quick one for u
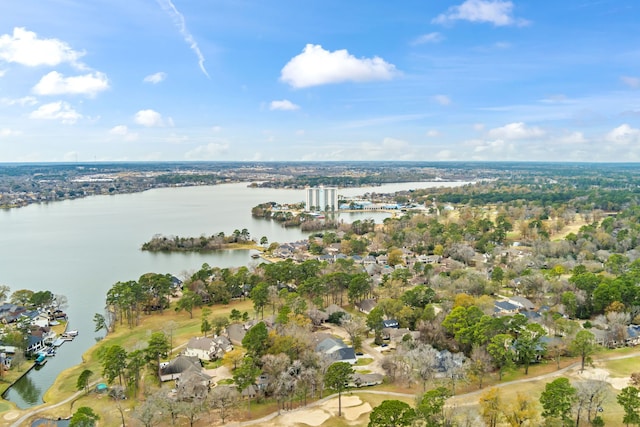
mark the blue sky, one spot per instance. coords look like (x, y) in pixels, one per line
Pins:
(431, 80)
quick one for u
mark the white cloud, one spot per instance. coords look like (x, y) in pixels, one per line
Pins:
(57, 111)
(300, 132)
(2, 73)
(632, 82)
(496, 12)
(124, 132)
(211, 151)
(148, 118)
(317, 66)
(432, 133)
(572, 138)
(216, 129)
(6, 132)
(179, 21)
(434, 37)
(25, 48)
(155, 78)
(24, 101)
(478, 127)
(284, 105)
(442, 99)
(624, 134)
(55, 83)
(517, 130)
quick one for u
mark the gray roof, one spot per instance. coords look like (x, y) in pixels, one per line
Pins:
(505, 305)
(200, 343)
(346, 353)
(181, 364)
(328, 343)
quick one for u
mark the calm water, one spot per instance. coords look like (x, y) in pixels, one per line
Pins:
(80, 248)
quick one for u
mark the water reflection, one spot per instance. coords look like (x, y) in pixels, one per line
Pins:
(28, 391)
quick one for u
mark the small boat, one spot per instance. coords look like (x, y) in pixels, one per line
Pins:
(41, 359)
(255, 256)
(72, 333)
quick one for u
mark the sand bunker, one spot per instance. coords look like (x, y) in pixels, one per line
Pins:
(352, 409)
(311, 417)
(603, 375)
(347, 401)
(11, 415)
(353, 413)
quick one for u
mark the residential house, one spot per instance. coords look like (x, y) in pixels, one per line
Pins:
(203, 348)
(521, 302)
(633, 335)
(193, 384)
(9, 313)
(174, 369)
(502, 308)
(223, 343)
(390, 323)
(366, 305)
(236, 332)
(35, 343)
(337, 350)
(365, 380)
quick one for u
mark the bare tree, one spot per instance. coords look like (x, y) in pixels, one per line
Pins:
(591, 394)
(148, 413)
(423, 362)
(455, 369)
(193, 410)
(224, 399)
(354, 326)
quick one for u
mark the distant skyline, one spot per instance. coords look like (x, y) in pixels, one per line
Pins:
(285, 80)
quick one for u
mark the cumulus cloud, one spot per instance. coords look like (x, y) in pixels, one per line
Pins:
(442, 99)
(55, 83)
(180, 22)
(284, 105)
(517, 130)
(434, 37)
(572, 138)
(632, 82)
(211, 151)
(624, 134)
(155, 78)
(25, 48)
(149, 118)
(123, 132)
(316, 66)
(57, 111)
(24, 101)
(496, 12)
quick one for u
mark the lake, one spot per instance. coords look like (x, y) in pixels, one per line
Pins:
(80, 248)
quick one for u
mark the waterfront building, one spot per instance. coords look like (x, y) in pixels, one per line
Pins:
(321, 199)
